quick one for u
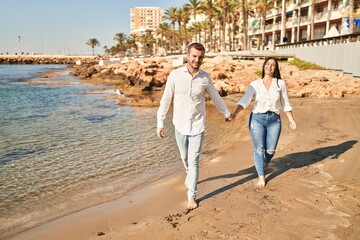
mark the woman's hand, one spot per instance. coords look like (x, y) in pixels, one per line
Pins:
(290, 116)
(292, 125)
(238, 109)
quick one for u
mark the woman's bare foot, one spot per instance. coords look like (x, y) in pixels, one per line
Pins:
(261, 182)
(192, 204)
(185, 184)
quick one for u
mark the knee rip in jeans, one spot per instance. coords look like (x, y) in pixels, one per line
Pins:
(260, 150)
(270, 152)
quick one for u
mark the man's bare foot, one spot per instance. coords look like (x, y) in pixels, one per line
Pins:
(261, 182)
(192, 204)
(266, 165)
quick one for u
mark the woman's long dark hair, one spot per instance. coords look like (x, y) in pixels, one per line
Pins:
(276, 74)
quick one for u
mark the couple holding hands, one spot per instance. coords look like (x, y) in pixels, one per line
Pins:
(186, 87)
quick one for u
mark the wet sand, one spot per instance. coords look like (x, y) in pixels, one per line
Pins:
(312, 190)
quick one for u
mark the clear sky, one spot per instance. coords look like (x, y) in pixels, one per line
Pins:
(64, 26)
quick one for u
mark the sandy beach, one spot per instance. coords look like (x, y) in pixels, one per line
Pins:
(312, 189)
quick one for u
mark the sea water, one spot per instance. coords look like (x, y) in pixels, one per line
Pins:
(63, 149)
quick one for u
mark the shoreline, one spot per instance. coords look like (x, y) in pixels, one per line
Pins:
(319, 191)
(132, 196)
(47, 59)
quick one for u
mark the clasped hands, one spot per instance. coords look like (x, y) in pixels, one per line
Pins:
(229, 119)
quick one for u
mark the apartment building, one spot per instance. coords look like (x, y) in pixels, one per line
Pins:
(329, 14)
(145, 19)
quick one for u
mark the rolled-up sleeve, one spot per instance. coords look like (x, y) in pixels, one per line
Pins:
(284, 98)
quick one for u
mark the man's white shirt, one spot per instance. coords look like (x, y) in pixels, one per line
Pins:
(188, 92)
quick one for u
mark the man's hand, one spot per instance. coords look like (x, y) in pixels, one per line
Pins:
(160, 132)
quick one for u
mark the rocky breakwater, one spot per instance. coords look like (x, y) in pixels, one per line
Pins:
(234, 76)
(46, 59)
(138, 82)
(141, 82)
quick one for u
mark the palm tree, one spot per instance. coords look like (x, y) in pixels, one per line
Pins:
(194, 7)
(165, 33)
(106, 50)
(120, 38)
(147, 41)
(208, 8)
(131, 43)
(234, 15)
(263, 6)
(92, 42)
(170, 14)
(219, 19)
(179, 19)
(225, 7)
(186, 18)
(243, 24)
(121, 42)
(195, 28)
(204, 25)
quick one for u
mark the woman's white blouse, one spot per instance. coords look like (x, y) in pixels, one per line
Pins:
(267, 100)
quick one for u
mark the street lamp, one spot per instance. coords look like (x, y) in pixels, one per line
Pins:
(19, 41)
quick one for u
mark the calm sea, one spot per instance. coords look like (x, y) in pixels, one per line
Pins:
(63, 149)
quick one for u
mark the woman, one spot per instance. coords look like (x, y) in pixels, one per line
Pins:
(270, 95)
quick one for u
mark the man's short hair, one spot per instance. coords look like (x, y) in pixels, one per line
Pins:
(197, 46)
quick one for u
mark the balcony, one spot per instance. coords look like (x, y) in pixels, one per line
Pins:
(304, 2)
(320, 1)
(304, 20)
(272, 13)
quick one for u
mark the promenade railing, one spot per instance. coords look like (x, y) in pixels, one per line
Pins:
(340, 53)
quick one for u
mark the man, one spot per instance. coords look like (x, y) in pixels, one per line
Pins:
(188, 85)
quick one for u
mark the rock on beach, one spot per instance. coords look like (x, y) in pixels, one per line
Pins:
(142, 81)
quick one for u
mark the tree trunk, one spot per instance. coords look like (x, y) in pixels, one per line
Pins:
(211, 40)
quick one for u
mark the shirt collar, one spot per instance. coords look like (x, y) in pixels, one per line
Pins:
(184, 69)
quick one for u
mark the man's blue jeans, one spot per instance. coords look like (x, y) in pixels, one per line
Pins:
(190, 147)
(265, 129)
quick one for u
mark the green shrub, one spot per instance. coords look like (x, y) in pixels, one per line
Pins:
(305, 65)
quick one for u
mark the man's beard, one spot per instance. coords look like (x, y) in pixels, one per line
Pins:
(195, 66)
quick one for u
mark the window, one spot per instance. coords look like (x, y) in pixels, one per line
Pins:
(319, 32)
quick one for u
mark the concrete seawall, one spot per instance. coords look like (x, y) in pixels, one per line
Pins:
(343, 57)
(46, 59)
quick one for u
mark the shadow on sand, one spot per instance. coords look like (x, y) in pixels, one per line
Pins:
(281, 165)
